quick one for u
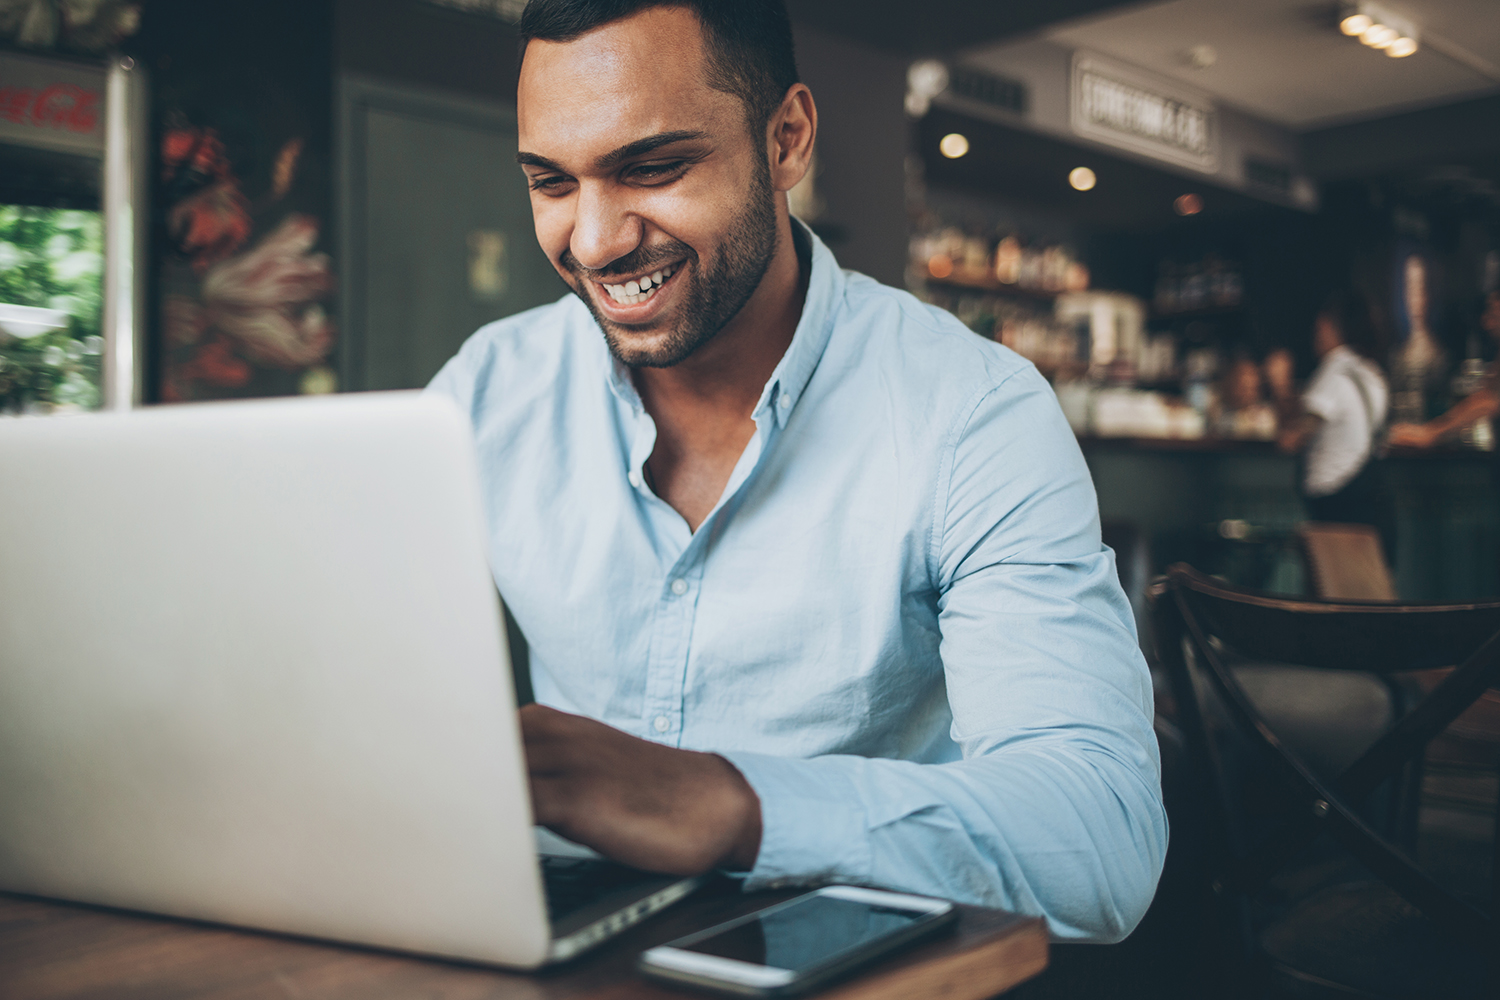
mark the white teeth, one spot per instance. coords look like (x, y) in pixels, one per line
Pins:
(640, 289)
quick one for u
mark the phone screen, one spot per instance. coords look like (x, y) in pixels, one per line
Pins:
(816, 930)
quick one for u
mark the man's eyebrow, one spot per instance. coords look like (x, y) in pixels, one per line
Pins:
(615, 157)
(533, 160)
(643, 146)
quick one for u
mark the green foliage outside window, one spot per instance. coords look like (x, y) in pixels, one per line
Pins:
(53, 259)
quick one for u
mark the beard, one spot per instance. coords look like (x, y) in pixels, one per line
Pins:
(708, 301)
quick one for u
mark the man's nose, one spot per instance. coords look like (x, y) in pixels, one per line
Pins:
(605, 229)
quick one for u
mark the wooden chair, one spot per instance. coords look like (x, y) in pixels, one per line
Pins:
(1393, 931)
(1346, 561)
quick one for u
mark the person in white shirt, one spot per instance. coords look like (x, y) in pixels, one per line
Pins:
(1336, 421)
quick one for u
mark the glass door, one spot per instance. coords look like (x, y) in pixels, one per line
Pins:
(69, 237)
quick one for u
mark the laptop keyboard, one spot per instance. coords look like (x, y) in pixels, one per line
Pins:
(573, 883)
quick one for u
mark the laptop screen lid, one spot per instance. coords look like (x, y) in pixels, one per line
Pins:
(252, 670)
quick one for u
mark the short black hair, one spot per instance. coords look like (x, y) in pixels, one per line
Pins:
(748, 42)
(1350, 311)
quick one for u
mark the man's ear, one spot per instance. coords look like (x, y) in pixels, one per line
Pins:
(790, 136)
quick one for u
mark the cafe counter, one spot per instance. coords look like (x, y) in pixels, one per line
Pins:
(1231, 507)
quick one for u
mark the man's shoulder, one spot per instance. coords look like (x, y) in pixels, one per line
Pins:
(895, 335)
(535, 336)
(528, 347)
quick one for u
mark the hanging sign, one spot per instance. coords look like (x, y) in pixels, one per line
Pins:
(1128, 108)
(51, 104)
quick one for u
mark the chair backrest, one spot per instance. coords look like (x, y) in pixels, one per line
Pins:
(1346, 562)
(1196, 614)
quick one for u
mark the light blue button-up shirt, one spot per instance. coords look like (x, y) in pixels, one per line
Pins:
(898, 622)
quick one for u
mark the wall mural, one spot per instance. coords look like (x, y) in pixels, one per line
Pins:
(243, 289)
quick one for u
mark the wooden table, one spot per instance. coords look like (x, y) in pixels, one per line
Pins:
(50, 951)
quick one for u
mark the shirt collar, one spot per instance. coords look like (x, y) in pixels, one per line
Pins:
(825, 288)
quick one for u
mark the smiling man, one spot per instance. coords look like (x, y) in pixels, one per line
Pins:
(811, 575)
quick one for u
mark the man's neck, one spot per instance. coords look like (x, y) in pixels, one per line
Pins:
(703, 405)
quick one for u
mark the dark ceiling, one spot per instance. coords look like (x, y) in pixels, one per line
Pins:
(934, 27)
(1024, 166)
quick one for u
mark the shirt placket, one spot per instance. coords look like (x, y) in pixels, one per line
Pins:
(677, 600)
(671, 644)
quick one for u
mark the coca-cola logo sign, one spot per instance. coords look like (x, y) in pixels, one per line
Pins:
(51, 104)
(63, 106)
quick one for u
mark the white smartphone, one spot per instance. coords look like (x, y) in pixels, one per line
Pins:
(799, 944)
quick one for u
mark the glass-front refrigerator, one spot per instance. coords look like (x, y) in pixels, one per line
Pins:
(71, 208)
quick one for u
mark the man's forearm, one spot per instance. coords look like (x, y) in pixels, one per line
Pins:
(1475, 406)
(1073, 834)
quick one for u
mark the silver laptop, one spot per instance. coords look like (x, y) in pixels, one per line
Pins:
(253, 671)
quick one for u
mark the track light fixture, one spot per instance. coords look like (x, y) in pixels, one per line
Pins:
(1379, 27)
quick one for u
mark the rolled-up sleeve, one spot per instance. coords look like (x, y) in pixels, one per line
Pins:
(1055, 808)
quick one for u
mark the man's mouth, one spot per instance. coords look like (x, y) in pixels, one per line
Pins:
(639, 290)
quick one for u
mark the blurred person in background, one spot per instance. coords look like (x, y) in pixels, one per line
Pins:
(1336, 423)
(1243, 412)
(1481, 404)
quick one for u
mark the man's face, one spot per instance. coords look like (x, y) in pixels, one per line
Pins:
(649, 194)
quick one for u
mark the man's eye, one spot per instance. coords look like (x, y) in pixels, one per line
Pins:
(550, 183)
(657, 173)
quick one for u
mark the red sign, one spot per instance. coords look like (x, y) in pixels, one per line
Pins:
(63, 106)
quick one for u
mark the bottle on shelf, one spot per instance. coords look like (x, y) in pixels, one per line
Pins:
(1008, 260)
(1165, 298)
(1470, 378)
(1211, 282)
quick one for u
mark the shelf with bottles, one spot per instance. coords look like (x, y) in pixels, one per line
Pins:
(983, 281)
(1205, 288)
(1001, 263)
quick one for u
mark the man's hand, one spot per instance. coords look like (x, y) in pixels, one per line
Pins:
(637, 802)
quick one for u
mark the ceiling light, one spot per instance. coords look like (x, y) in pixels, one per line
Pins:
(928, 77)
(1200, 56)
(1379, 27)
(1082, 179)
(924, 80)
(1187, 204)
(953, 145)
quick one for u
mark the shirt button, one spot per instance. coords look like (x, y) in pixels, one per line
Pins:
(679, 586)
(662, 723)
(784, 402)
(635, 479)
